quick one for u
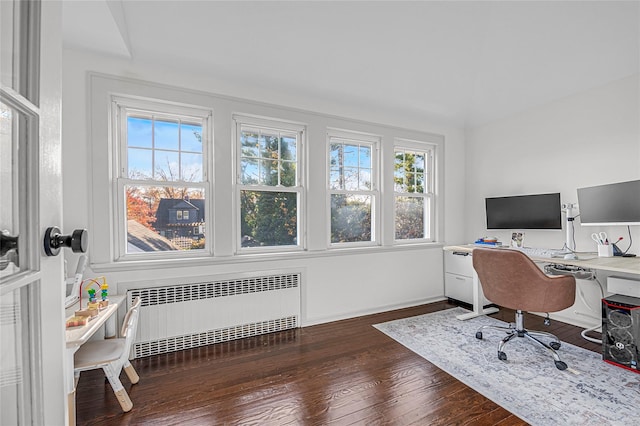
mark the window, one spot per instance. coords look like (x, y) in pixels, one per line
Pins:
(413, 188)
(162, 178)
(269, 184)
(153, 197)
(352, 187)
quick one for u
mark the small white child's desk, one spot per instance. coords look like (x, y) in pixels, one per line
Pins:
(76, 336)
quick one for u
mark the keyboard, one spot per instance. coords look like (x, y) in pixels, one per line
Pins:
(539, 252)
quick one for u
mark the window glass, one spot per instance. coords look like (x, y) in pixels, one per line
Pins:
(410, 217)
(166, 135)
(157, 220)
(269, 185)
(412, 195)
(164, 184)
(139, 131)
(350, 218)
(166, 165)
(268, 218)
(164, 149)
(351, 189)
(191, 137)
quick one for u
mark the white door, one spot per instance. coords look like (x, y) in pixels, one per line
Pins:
(31, 284)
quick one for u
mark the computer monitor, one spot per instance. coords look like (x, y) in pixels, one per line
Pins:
(610, 205)
(538, 211)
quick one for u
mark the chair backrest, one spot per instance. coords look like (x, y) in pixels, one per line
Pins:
(510, 279)
(130, 326)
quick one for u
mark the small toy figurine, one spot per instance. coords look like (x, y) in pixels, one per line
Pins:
(92, 295)
(103, 291)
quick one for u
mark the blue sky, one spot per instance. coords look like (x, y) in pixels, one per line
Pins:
(168, 148)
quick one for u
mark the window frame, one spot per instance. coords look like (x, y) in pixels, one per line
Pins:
(430, 187)
(240, 122)
(375, 143)
(121, 106)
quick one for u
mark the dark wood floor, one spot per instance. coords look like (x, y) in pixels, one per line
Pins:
(342, 373)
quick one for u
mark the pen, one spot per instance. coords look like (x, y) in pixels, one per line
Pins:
(606, 242)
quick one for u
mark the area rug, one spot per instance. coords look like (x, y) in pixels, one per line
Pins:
(589, 392)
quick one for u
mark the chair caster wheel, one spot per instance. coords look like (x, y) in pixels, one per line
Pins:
(555, 345)
(479, 335)
(561, 365)
(503, 357)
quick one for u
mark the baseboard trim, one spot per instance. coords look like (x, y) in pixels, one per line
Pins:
(348, 315)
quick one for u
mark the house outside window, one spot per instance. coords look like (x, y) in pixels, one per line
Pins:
(269, 184)
(162, 180)
(413, 191)
(353, 188)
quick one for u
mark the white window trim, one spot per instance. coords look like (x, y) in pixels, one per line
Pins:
(264, 123)
(99, 193)
(430, 195)
(120, 105)
(375, 142)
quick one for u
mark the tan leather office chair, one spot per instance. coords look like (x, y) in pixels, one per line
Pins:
(510, 279)
(112, 355)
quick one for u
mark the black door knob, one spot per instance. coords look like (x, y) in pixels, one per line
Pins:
(54, 240)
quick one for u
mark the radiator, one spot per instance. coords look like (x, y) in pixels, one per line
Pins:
(189, 315)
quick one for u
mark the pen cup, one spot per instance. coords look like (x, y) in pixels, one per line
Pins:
(605, 250)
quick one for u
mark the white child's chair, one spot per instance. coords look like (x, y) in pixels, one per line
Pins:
(112, 355)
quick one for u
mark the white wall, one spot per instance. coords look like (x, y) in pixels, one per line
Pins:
(335, 285)
(591, 138)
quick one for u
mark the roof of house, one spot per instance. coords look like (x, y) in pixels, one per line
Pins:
(143, 239)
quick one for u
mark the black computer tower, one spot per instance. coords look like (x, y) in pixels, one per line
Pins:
(621, 331)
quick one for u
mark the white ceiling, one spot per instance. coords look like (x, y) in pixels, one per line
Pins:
(463, 62)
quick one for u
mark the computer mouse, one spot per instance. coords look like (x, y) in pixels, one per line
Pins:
(570, 256)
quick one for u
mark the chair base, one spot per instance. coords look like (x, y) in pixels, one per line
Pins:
(518, 330)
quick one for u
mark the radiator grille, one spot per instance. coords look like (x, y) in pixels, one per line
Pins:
(11, 327)
(190, 315)
(208, 290)
(9, 314)
(211, 337)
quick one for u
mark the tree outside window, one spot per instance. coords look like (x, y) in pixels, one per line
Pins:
(269, 185)
(412, 183)
(351, 189)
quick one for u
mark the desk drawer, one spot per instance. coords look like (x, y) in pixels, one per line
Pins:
(460, 288)
(460, 264)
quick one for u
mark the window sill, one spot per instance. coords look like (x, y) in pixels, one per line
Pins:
(132, 265)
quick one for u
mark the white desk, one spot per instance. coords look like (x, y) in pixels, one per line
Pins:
(628, 265)
(76, 336)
